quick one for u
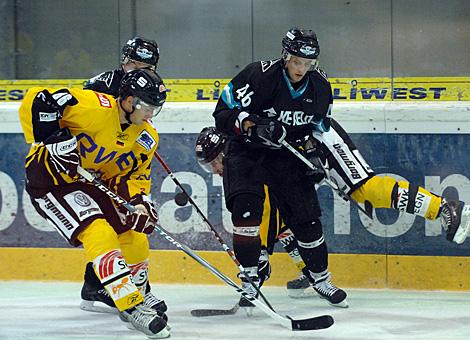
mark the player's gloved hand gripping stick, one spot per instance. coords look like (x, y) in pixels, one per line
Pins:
(319, 322)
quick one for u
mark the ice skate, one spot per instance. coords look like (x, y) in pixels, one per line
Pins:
(147, 321)
(248, 288)
(455, 219)
(96, 299)
(327, 290)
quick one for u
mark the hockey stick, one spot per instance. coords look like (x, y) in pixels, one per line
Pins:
(212, 312)
(319, 322)
(327, 181)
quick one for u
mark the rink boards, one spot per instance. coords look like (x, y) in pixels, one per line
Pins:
(425, 143)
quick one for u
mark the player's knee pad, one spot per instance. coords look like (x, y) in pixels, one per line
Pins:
(134, 246)
(309, 235)
(247, 213)
(115, 275)
(98, 238)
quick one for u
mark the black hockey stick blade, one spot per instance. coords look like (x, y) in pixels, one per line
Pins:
(318, 322)
(215, 312)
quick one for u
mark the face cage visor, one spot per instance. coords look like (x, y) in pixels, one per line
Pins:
(143, 106)
(139, 65)
(313, 62)
(212, 166)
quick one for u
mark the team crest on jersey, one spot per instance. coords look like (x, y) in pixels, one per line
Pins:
(104, 101)
(146, 140)
(265, 65)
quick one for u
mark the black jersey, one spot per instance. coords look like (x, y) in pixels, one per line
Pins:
(106, 82)
(263, 88)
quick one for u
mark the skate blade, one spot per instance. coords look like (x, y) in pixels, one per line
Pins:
(464, 228)
(97, 307)
(342, 304)
(163, 334)
(248, 311)
(300, 293)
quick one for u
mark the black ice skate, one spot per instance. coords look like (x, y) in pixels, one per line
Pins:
(96, 299)
(323, 286)
(300, 287)
(147, 321)
(455, 219)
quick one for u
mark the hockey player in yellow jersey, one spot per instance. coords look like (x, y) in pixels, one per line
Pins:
(137, 53)
(115, 140)
(378, 191)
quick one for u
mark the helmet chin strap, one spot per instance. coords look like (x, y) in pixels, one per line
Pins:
(127, 115)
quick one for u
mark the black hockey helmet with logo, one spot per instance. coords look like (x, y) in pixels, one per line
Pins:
(144, 84)
(210, 143)
(301, 43)
(146, 87)
(142, 50)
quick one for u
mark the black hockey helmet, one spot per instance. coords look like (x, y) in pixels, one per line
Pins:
(146, 86)
(210, 143)
(301, 43)
(142, 50)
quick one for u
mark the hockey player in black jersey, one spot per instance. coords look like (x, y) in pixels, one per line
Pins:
(266, 103)
(137, 53)
(255, 112)
(381, 191)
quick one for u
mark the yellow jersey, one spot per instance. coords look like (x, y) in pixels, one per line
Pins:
(120, 158)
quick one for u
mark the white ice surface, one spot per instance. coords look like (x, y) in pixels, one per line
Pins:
(49, 310)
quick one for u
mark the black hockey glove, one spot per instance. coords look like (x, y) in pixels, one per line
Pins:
(316, 156)
(63, 152)
(264, 267)
(47, 109)
(143, 220)
(266, 132)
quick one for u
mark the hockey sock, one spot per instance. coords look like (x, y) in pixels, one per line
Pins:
(247, 249)
(386, 192)
(312, 246)
(289, 243)
(114, 274)
(247, 212)
(139, 274)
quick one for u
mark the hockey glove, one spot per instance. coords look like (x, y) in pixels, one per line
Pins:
(266, 132)
(47, 109)
(63, 152)
(264, 267)
(316, 156)
(143, 220)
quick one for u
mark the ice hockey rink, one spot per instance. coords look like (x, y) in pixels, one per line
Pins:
(49, 310)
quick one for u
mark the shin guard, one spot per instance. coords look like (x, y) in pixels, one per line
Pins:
(114, 274)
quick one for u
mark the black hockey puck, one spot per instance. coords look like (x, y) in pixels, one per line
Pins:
(181, 199)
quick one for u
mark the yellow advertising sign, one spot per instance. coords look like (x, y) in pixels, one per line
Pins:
(349, 89)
